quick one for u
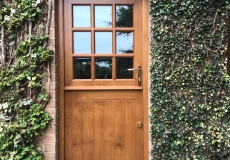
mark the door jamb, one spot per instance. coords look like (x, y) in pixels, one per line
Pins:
(60, 50)
(145, 21)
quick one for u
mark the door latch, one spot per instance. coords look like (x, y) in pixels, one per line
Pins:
(139, 73)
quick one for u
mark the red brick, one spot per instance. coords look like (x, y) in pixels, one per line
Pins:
(51, 48)
(53, 94)
(49, 138)
(51, 130)
(49, 147)
(49, 155)
(55, 59)
(53, 122)
(52, 24)
(51, 41)
(53, 86)
(53, 77)
(51, 111)
(53, 68)
(52, 32)
(53, 15)
(51, 103)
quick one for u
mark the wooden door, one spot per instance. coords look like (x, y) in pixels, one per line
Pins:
(103, 67)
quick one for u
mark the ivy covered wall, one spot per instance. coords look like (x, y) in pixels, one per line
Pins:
(190, 90)
(24, 74)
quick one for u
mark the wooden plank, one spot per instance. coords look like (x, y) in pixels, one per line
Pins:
(145, 71)
(87, 130)
(102, 2)
(139, 132)
(68, 131)
(76, 128)
(98, 129)
(68, 46)
(60, 51)
(130, 130)
(108, 130)
(90, 88)
(119, 130)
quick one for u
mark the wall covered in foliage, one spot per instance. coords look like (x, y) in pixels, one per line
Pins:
(190, 100)
(23, 59)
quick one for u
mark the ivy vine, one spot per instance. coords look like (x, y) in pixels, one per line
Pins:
(24, 60)
(190, 100)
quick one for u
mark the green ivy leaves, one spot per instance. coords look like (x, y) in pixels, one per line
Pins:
(23, 97)
(189, 86)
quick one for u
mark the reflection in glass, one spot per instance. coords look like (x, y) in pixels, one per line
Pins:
(81, 16)
(103, 68)
(103, 42)
(82, 42)
(124, 42)
(124, 16)
(82, 68)
(122, 65)
(103, 16)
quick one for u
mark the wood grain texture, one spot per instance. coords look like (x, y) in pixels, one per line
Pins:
(108, 130)
(102, 127)
(98, 120)
(87, 130)
(76, 135)
(60, 53)
(119, 128)
(145, 73)
(130, 131)
(98, 129)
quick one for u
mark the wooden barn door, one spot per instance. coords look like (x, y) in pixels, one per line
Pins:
(103, 78)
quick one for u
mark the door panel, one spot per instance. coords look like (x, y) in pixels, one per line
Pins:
(103, 125)
(103, 101)
(100, 56)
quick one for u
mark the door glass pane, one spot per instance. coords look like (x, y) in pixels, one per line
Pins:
(103, 42)
(103, 68)
(124, 16)
(82, 68)
(81, 16)
(82, 42)
(103, 16)
(124, 42)
(122, 65)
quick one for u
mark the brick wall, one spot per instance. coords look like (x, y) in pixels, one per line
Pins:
(48, 142)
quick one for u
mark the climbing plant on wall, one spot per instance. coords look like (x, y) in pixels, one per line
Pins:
(24, 60)
(190, 90)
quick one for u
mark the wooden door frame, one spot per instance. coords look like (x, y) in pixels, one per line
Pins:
(60, 54)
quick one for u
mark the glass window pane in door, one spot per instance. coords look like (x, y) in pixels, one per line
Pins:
(124, 16)
(103, 42)
(103, 67)
(122, 65)
(124, 42)
(81, 16)
(103, 16)
(82, 68)
(82, 42)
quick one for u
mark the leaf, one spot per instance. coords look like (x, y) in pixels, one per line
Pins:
(11, 43)
(213, 141)
(41, 26)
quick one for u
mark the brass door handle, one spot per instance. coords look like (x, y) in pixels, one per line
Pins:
(139, 124)
(139, 73)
